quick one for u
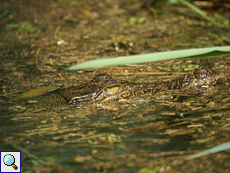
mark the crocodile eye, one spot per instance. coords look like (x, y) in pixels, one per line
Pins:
(114, 89)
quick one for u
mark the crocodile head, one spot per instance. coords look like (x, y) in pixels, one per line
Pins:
(110, 91)
(103, 87)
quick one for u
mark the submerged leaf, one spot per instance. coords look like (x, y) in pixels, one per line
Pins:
(160, 68)
(35, 92)
(189, 69)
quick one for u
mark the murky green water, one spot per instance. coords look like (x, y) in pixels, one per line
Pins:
(142, 134)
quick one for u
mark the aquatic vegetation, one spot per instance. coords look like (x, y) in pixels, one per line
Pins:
(23, 27)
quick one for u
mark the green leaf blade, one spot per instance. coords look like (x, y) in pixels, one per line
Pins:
(160, 56)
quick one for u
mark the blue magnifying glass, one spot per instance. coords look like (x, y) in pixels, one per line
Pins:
(9, 160)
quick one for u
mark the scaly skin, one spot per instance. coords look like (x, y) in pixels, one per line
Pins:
(105, 88)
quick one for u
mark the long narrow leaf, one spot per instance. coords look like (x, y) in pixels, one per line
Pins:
(216, 149)
(198, 11)
(149, 57)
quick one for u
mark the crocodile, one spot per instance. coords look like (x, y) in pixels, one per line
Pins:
(103, 87)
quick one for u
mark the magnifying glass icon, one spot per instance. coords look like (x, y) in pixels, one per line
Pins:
(9, 160)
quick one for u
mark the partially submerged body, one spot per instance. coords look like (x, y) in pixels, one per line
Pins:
(103, 88)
